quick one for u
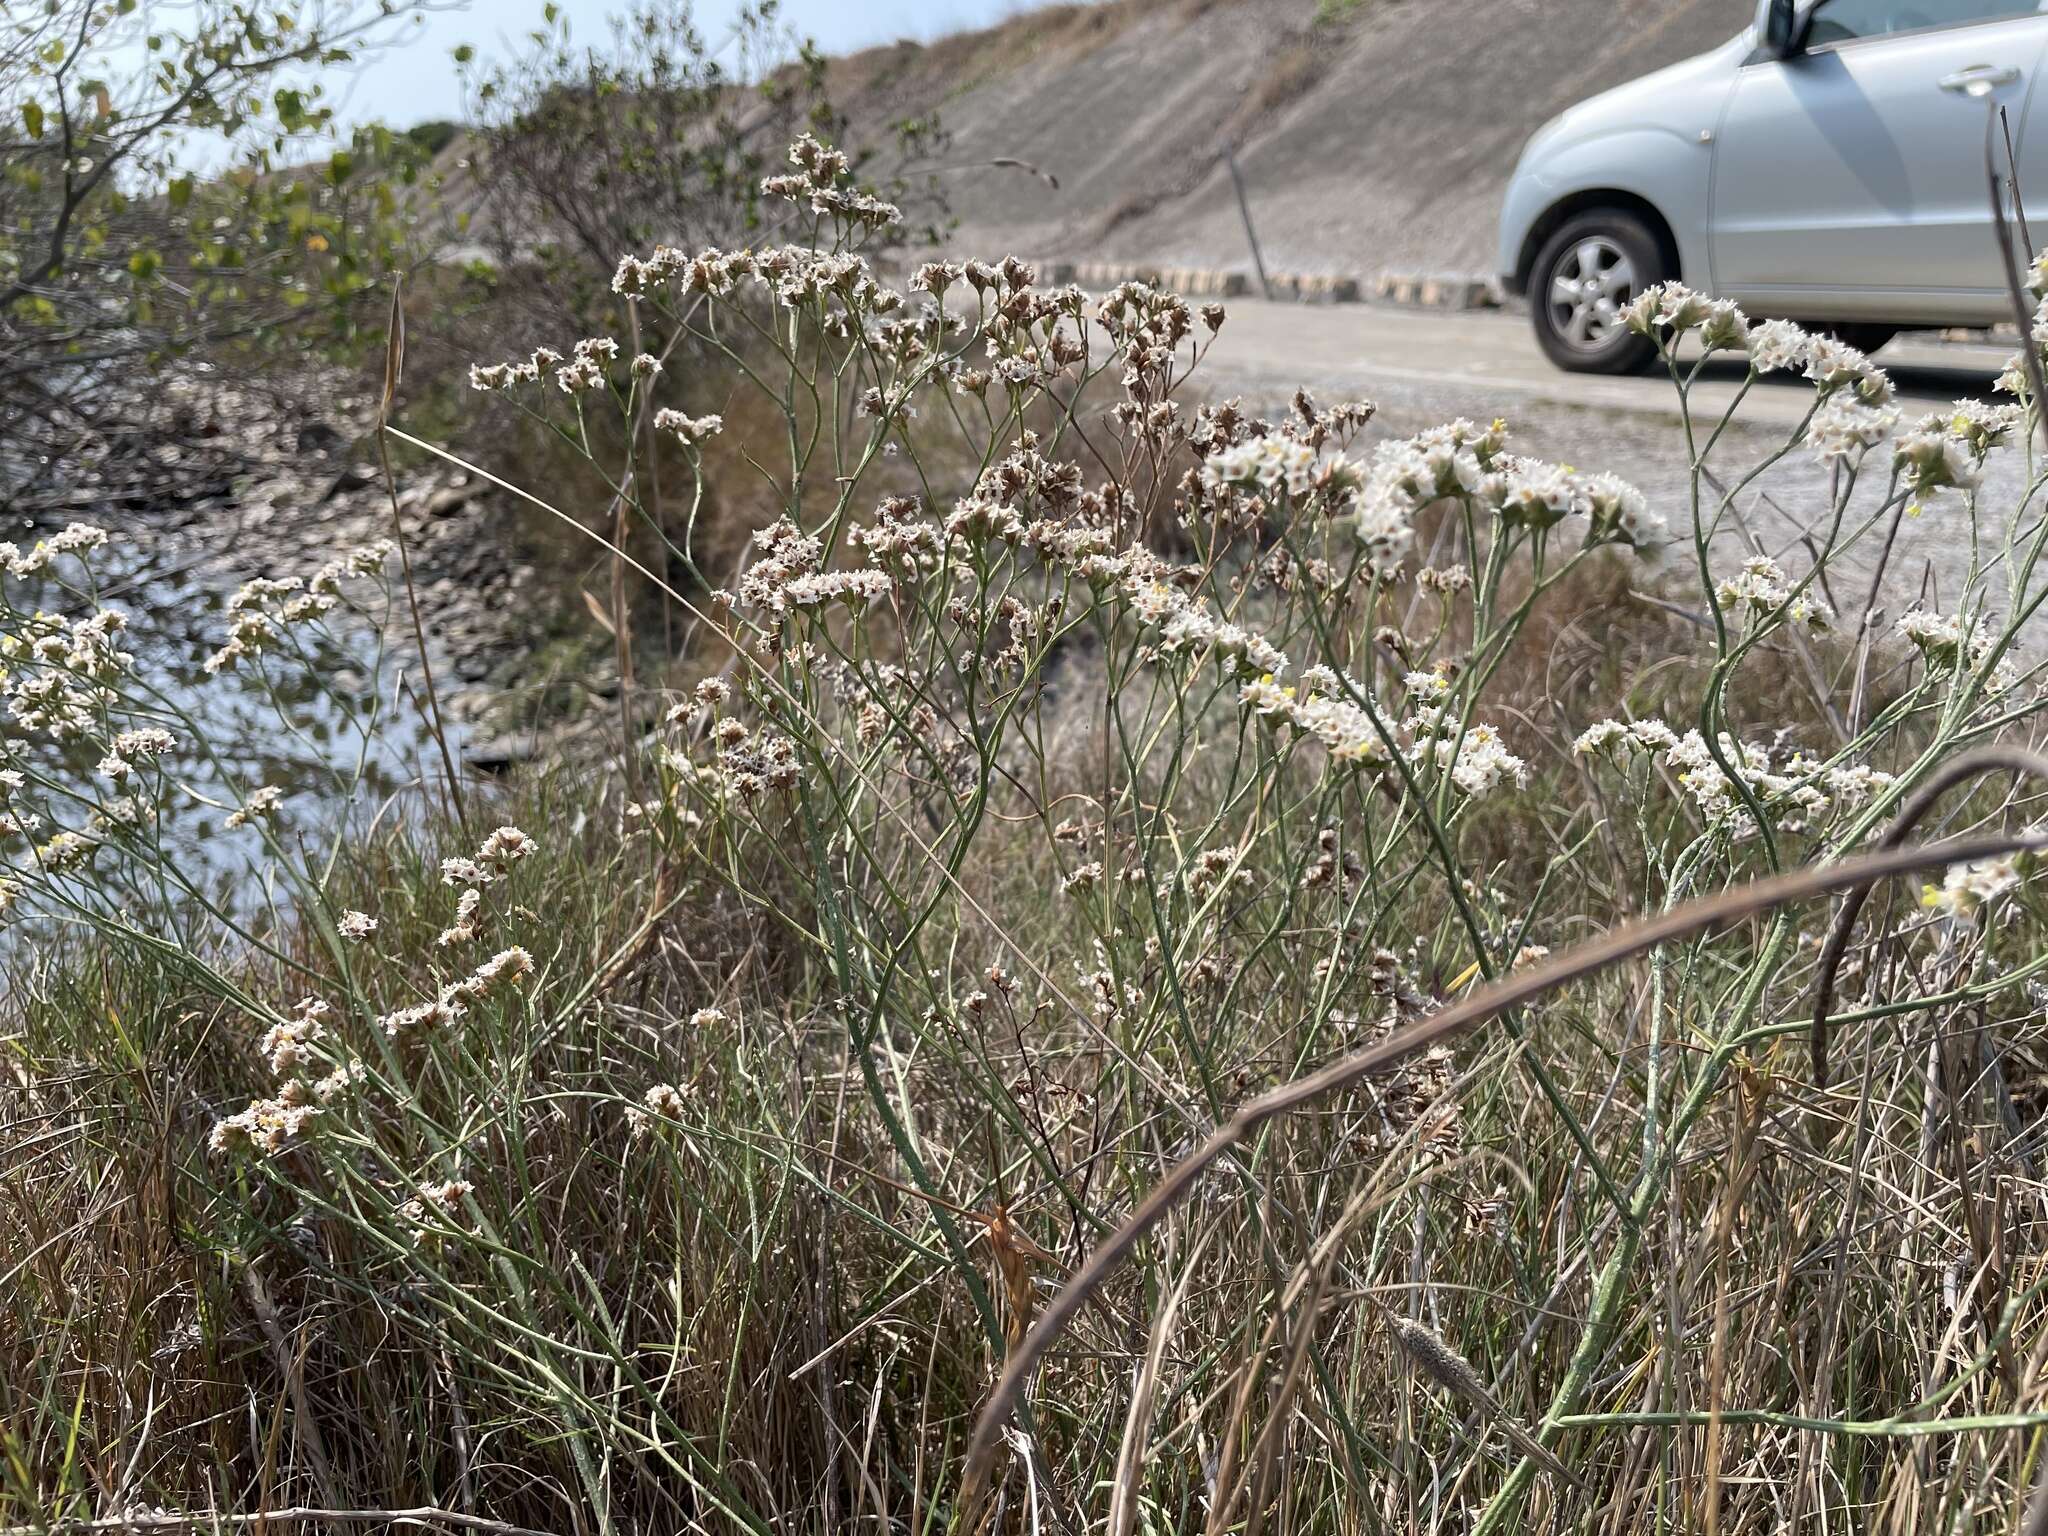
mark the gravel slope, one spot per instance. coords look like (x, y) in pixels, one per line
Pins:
(1378, 140)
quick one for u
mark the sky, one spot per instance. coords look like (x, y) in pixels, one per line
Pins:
(414, 81)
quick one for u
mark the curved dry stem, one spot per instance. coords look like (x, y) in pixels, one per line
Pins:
(1969, 765)
(1511, 991)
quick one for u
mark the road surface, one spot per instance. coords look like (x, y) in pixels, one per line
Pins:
(1491, 360)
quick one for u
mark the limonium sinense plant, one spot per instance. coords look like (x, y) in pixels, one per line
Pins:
(1071, 757)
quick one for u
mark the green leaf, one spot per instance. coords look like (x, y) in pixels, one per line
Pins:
(32, 118)
(181, 191)
(340, 165)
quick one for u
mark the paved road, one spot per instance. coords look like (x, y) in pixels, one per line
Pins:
(1492, 359)
(1423, 367)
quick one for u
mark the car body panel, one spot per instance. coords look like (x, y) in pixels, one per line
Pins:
(1840, 184)
(1848, 183)
(1643, 138)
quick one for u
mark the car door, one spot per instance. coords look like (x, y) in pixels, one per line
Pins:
(1849, 178)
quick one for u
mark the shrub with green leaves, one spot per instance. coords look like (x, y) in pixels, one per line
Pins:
(120, 251)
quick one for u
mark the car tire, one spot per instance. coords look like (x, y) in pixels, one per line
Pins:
(1587, 271)
(1866, 336)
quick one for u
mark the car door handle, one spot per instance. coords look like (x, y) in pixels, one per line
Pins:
(1979, 79)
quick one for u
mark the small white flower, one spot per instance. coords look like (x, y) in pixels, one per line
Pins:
(1599, 737)
(1844, 426)
(1777, 345)
(505, 846)
(692, 430)
(261, 804)
(465, 872)
(1966, 888)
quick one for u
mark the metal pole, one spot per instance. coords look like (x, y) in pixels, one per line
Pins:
(1244, 210)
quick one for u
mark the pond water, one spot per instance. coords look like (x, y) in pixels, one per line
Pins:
(329, 719)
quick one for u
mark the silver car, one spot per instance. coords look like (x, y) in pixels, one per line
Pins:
(1827, 166)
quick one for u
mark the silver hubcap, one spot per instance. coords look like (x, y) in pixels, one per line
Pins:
(1588, 291)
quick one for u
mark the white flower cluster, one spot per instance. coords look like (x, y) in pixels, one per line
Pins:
(491, 377)
(1762, 590)
(450, 1006)
(267, 1125)
(1710, 786)
(1777, 346)
(498, 853)
(690, 431)
(820, 170)
(1463, 462)
(1331, 708)
(1272, 464)
(1643, 736)
(1947, 448)
(663, 1102)
(786, 555)
(1184, 624)
(795, 276)
(78, 539)
(1843, 427)
(1407, 477)
(2013, 380)
(1954, 644)
(1011, 491)
(435, 1204)
(1457, 461)
(587, 369)
(60, 672)
(821, 589)
(1855, 412)
(463, 929)
(900, 538)
(1479, 761)
(1675, 309)
(262, 608)
(1799, 793)
(1835, 366)
(130, 747)
(750, 763)
(288, 1044)
(1325, 706)
(273, 1124)
(260, 805)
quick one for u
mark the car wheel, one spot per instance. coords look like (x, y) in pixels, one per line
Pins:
(1584, 277)
(1865, 336)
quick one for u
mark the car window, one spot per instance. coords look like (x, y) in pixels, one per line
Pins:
(1842, 21)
